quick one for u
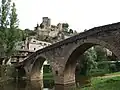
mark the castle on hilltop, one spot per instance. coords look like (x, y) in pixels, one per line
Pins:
(46, 31)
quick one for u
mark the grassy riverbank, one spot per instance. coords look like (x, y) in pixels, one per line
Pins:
(107, 82)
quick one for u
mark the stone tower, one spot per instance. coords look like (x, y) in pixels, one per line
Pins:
(46, 22)
(59, 25)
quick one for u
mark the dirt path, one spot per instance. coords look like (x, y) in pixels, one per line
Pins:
(109, 76)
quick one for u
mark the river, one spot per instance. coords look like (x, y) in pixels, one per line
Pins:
(37, 85)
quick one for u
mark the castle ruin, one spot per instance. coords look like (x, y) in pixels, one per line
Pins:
(47, 32)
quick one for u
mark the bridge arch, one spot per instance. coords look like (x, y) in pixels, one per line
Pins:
(37, 66)
(79, 49)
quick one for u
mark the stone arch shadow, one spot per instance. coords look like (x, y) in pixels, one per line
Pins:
(70, 65)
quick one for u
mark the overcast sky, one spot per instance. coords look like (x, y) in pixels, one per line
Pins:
(79, 14)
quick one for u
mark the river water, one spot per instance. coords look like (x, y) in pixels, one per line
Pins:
(34, 85)
(37, 85)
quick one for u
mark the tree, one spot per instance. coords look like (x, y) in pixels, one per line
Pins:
(29, 32)
(9, 34)
(13, 18)
(90, 59)
(101, 53)
(4, 11)
(65, 26)
(71, 31)
(93, 61)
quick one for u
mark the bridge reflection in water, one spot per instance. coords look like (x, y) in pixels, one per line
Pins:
(34, 85)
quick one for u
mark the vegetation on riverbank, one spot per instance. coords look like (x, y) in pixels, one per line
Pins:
(107, 82)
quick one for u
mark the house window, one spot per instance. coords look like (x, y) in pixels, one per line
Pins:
(22, 47)
(56, 73)
(34, 48)
(34, 41)
(45, 44)
(40, 43)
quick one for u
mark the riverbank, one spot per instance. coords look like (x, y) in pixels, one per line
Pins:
(107, 82)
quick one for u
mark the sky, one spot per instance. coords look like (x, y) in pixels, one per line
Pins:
(79, 14)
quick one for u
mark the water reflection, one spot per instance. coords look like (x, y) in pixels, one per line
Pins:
(83, 81)
(42, 85)
(65, 87)
(34, 85)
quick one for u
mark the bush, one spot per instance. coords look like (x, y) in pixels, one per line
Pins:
(8, 71)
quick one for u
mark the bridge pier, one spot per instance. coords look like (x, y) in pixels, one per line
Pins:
(62, 77)
(35, 75)
(62, 81)
(65, 87)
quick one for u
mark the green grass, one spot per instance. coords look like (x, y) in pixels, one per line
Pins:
(111, 83)
(47, 76)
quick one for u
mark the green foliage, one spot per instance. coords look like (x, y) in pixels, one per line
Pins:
(13, 18)
(47, 69)
(111, 83)
(70, 31)
(11, 71)
(9, 33)
(4, 11)
(101, 53)
(65, 25)
(89, 61)
(48, 76)
(91, 57)
(7, 71)
(22, 34)
(93, 61)
(29, 33)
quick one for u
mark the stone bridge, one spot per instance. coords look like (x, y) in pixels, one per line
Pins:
(63, 55)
